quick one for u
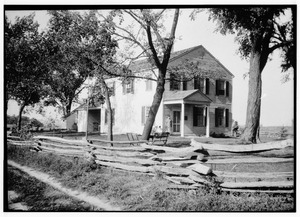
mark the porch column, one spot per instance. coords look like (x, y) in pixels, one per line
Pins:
(207, 121)
(182, 120)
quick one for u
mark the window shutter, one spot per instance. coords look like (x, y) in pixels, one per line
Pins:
(194, 116)
(207, 86)
(143, 115)
(184, 85)
(124, 87)
(113, 88)
(105, 119)
(227, 118)
(216, 117)
(227, 88)
(196, 83)
(132, 86)
(217, 87)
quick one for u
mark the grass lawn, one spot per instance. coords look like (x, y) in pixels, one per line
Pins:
(39, 196)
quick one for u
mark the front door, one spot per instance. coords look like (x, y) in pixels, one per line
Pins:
(176, 121)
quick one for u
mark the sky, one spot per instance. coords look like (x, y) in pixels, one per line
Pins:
(277, 98)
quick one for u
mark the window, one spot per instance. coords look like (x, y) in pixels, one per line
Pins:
(174, 83)
(148, 85)
(220, 87)
(202, 84)
(112, 116)
(199, 117)
(145, 113)
(111, 88)
(219, 117)
(128, 86)
(222, 115)
(199, 84)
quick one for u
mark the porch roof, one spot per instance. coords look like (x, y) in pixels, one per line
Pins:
(186, 96)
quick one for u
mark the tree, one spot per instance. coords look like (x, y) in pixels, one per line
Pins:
(25, 71)
(153, 43)
(259, 32)
(99, 52)
(67, 70)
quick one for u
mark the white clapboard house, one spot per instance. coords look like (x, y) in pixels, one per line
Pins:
(200, 106)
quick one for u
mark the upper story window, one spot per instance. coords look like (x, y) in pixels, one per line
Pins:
(222, 88)
(128, 86)
(111, 88)
(174, 82)
(202, 84)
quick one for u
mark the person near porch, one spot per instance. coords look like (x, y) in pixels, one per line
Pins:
(234, 128)
(168, 124)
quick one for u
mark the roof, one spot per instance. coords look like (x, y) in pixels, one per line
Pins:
(82, 107)
(186, 96)
(144, 64)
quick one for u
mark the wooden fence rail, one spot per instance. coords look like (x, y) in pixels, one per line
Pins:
(187, 168)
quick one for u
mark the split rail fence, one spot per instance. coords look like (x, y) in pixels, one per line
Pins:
(187, 168)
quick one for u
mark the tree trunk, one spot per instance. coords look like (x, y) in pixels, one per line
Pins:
(254, 99)
(68, 107)
(20, 115)
(109, 112)
(155, 105)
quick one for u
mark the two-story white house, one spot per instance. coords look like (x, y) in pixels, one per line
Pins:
(199, 106)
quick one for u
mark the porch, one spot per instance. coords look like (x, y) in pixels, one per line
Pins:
(186, 113)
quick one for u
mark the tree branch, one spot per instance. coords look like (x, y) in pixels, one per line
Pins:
(167, 53)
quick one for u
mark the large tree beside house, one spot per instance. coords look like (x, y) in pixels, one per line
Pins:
(260, 32)
(25, 71)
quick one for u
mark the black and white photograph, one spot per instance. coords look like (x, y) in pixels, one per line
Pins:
(149, 108)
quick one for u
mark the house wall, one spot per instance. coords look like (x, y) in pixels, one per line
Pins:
(81, 126)
(70, 120)
(128, 108)
(217, 101)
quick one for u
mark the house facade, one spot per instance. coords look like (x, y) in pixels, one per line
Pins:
(200, 105)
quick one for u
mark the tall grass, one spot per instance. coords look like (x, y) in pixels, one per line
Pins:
(138, 192)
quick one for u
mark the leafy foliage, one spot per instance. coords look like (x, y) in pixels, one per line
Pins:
(76, 44)
(249, 23)
(25, 120)
(25, 71)
(259, 32)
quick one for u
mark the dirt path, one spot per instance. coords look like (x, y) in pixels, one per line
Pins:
(79, 195)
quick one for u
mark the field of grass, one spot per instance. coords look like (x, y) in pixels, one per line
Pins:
(139, 192)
